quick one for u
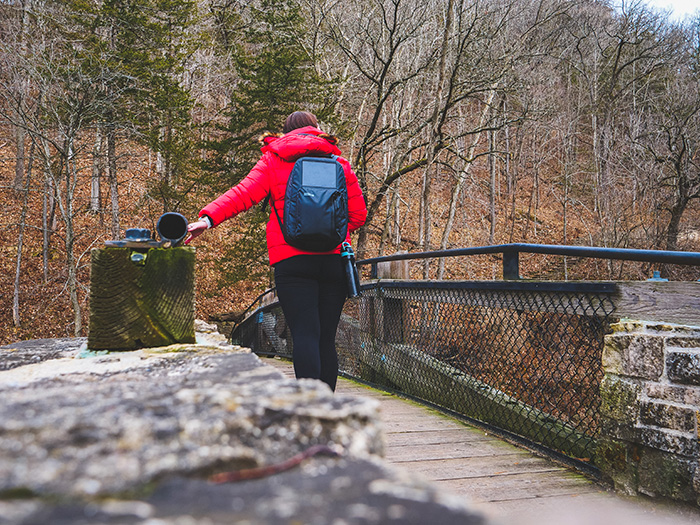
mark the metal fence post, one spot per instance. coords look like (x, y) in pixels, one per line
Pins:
(511, 265)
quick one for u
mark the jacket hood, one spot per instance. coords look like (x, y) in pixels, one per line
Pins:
(299, 143)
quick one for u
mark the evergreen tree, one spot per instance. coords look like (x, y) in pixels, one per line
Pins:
(275, 76)
(139, 50)
(164, 116)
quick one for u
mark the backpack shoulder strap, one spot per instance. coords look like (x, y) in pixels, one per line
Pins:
(274, 208)
(268, 199)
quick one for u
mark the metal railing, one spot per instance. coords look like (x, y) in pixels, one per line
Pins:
(524, 357)
(511, 255)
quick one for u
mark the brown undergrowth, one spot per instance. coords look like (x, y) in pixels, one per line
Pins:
(45, 309)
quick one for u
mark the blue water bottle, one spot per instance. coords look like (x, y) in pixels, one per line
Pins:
(351, 274)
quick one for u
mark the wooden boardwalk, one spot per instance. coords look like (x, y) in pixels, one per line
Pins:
(507, 483)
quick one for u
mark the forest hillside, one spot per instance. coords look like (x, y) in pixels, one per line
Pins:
(468, 123)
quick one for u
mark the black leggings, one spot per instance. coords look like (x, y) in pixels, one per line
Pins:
(312, 291)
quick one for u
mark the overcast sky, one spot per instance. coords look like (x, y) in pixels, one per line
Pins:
(680, 8)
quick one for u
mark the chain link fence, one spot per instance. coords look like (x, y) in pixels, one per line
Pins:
(524, 357)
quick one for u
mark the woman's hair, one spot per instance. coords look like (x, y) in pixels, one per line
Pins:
(299, 119)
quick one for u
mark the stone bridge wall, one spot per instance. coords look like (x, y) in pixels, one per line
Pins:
(650, 410)
(193, 433)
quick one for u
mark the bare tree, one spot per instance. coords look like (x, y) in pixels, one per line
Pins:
(17, 35)
(388, 45)
(67, 102)
(673, 135)
(16, 317)
(617, 58)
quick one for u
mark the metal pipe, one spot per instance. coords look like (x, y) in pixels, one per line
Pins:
(657, 256)
(172, 227)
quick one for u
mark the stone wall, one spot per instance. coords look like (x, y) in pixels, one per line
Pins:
(650, 410)
(192, 433)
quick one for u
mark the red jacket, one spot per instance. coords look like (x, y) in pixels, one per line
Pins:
(269, 176)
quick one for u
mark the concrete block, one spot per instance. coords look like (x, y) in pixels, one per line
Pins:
(618, 461)
(135, 437)
(620, 399)
(667, 416)
(638, 355)
(662, 474)
(684, 342)
(687, 395)
(669, 441)
(683, 367)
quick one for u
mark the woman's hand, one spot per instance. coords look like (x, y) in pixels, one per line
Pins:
(195, 229)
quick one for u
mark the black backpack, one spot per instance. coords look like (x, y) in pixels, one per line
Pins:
(315, 205)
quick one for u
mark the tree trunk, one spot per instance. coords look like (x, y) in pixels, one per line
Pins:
(19, 161)
(20, 242)
(48, 212)
(437, 120)
(425, 227)
(70, 180)
(460, 180)
(20, 131)
(397, 220)
(73, 280)
(98, 171)
(674, 224)
(388, 223)
(533, 205)
(506, 155)
(113, 183)
(569, 160)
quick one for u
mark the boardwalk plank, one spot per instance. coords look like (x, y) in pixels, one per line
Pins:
(420, 424)
(520, 485)
(439, 437)
(510, 484)
(466, 468)
(445, 451)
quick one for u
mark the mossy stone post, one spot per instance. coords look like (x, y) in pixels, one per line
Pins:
(141, 298)
(649, 439)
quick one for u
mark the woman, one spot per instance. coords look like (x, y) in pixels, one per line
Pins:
(311, 287)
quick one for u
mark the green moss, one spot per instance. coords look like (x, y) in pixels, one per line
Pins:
(627, 326)
(667, 475)
(135, 306)
(619, 464)
(611, 455)
(619, 399)
(17, 493)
